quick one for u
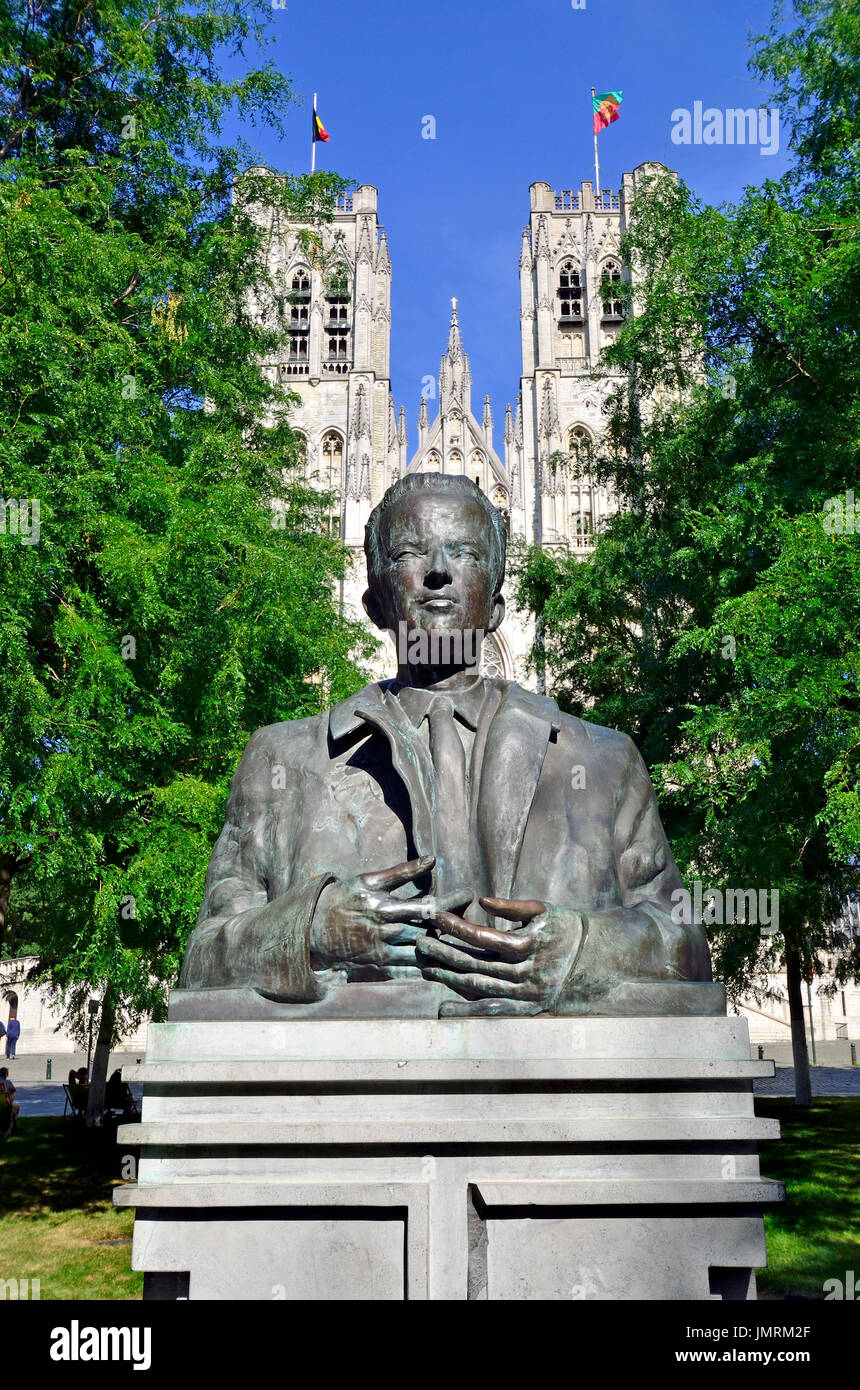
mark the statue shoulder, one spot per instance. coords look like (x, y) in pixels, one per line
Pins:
(302, 742)
(612, 745)
(291, 744)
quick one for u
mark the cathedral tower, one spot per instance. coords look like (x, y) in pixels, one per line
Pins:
(337, 357)
(569, 262)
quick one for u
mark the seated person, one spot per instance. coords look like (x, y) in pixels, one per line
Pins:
(79, 1088)
(117, 1094)
(9, 1110)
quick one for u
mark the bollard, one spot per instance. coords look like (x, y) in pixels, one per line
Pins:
(48, 1070)
(853, 1054)
(760, 1052)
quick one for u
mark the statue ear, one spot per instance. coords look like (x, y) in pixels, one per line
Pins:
(498, 613)
(374, 608)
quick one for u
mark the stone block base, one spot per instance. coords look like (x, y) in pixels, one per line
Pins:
(461, 1158)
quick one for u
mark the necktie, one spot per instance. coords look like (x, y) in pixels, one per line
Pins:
(453, 859)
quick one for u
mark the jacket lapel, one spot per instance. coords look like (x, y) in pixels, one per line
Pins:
(513, 758)
(514, 747)
(376, 707)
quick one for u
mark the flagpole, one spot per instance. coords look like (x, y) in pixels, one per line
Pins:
(314, 143)
(596, 163)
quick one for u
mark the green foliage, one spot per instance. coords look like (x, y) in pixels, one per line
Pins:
(181, 593)
(717, 619)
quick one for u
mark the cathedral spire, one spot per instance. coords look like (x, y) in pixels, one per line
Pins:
(383, 260)
(509, 424)
(455, 347)
(487, 422)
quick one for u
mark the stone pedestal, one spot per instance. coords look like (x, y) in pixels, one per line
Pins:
(455, 1158)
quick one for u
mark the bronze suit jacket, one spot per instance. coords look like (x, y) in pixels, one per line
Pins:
(562, 811)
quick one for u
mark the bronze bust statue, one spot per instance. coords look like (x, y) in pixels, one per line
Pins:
(442, 826)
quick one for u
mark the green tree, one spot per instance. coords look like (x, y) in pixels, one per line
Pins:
(181, 590)
(717, 620)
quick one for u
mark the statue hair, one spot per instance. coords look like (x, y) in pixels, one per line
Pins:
(434, 482)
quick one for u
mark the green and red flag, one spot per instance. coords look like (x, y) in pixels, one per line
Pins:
(606, 110)
(320, 132)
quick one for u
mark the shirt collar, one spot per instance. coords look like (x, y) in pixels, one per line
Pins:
(467, 700)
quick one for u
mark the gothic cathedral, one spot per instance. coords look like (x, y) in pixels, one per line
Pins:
(337, 360)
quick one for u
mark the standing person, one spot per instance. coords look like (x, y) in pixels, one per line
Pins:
(8, 1106)
(13, 1033)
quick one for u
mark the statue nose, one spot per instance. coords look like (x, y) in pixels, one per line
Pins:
(439, 573)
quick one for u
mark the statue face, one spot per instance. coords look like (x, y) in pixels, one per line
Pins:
(437, 570)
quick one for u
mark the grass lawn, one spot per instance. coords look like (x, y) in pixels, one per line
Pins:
(815, 1234)
(57, 1223)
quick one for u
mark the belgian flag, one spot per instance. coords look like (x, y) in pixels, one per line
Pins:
(319, 130)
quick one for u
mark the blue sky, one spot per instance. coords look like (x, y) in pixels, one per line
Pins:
(509, 85)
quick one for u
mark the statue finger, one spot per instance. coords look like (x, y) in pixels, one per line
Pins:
(480, 986)
(513, 909)
(430, 947)
(392, 954)
(403, 933)
(487, 938)
(399, 874)
(419, 910)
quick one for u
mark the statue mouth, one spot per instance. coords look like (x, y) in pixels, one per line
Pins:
(439, 605)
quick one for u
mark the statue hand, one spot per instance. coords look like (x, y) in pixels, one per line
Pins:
(510, 971)
(357, 921)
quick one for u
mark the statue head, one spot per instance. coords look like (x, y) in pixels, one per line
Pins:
(435, 548)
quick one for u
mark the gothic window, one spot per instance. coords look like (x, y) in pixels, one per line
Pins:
(433, 463)
(331, 451)
(610, 275)
(337, 284)
(337, 306)
(581, 529)
(337, 347)
(455, 461)
(580, 445)
(500, 501)
(492, 660)
(572, 346)
(301, 286)
(331, 460)
(569, 292)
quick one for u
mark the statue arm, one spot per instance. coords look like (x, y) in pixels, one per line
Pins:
(241, 938)
(639, 939)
